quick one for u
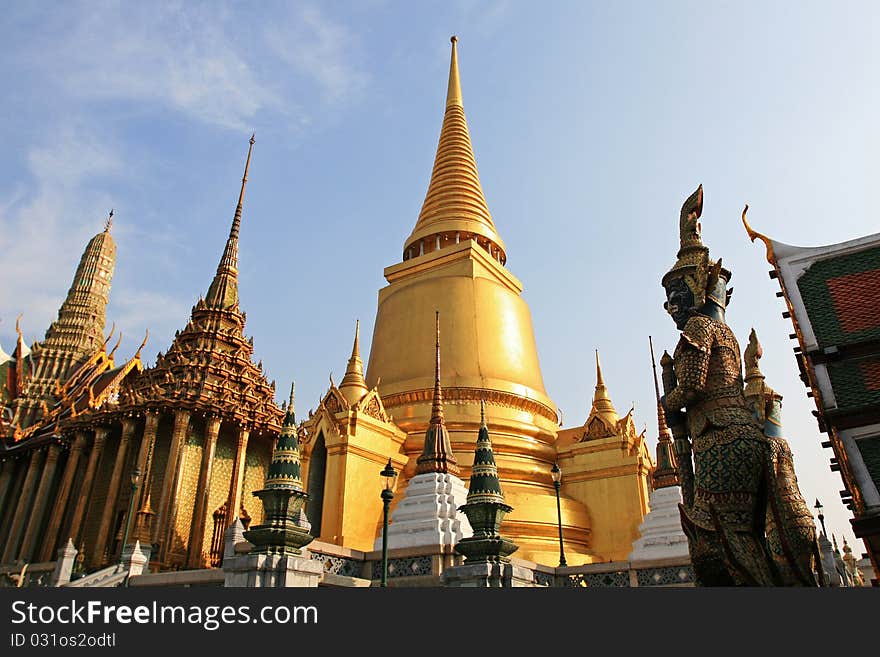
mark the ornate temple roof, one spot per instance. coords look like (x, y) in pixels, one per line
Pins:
(455, 202)
(208, 366)
(73, 343)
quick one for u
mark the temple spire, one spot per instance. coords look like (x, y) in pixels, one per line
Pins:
(453, 94)
(109, 223)
(602, 404)
(437, 453)
(353, 386)
(455, 209)
(223, 291)
(666, 468)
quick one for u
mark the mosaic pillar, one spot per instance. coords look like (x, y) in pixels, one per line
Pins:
(145, 455)
(128, 428)
(85, 492)
(41, 500)
(233, 502)
(62, 497)
(200, 510)
(21, 511)
(178, 435)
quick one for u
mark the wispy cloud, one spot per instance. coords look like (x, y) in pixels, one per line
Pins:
(44, 224)
(320, 50)
(206, 62)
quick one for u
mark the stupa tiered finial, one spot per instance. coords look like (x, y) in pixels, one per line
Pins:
(454, 203)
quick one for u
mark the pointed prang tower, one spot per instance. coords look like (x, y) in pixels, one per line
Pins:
(454, 261)
(660, 534)
(427, 515)
(77, 333)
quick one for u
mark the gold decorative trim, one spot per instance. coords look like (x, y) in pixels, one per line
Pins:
(472, 395)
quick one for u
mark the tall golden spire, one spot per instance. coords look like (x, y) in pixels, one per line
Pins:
(666, 469)
(353, 387)
(454, 208)
(223, 291)
(437, 454)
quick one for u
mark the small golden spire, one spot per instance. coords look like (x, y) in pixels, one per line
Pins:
(292, 391)
(109, 222)
(453, 94)
(353, 386)
(482, 408)
(602, 405)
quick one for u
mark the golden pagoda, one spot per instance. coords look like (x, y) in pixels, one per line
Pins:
(454, 262)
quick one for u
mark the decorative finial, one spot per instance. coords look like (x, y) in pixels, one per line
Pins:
(292, 391)
(355, 349)
(112, 331)
(253, 134)
(453, 39)
(118, 342)
(755, 235)
(482, 404)
(453, 93)
(599, 379)
(109, 222)
(138, 352)
(236, 220)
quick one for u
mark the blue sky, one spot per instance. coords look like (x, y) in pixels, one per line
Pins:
(591, 123)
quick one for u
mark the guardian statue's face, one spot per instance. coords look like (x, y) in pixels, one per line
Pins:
(679, 302)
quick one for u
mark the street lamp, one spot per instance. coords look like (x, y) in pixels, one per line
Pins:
(556, 473)
(818, 507)
(389, 476)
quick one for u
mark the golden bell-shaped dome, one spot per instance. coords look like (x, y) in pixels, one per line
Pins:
(453, 263)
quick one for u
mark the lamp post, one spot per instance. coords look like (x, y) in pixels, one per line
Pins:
(389, 477)
(135, 482)
(818, 507)
(556, 473)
